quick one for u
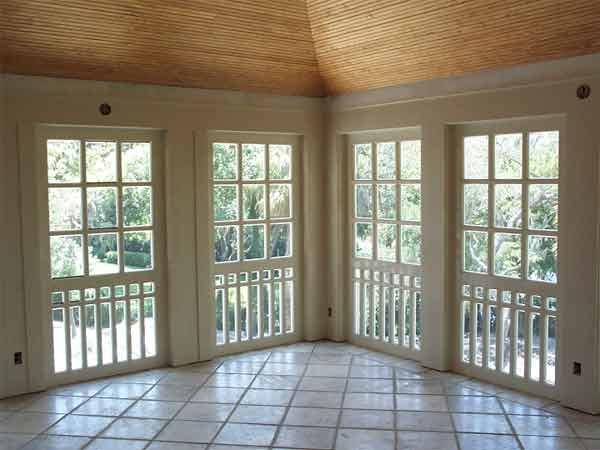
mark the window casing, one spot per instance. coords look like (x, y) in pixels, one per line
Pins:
(509, 249)
(386, 238)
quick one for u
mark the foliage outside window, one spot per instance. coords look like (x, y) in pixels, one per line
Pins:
(252, 201)
(99, 207)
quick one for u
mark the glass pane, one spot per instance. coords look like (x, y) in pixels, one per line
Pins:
(280, 201)
(91, 338)
(64, 161)
(135, 332)
(367, 306)
(106, 329)
(226, 244)
(411, 244)
(543, 154)
(410, 202)
(376, 311)
(253, 162)
(277, 307)
(364, 200)
(103, 253)
(492, 329)
(288, 306)
(386, 242)
(507, 255)
(476, 157)
(244, 313)
(363, 164)
(407, 305)
(232, 314)
(100, 161)
(479, 323)
(58, 340)
(136, 161)
(225, 203)
(254, 201)
(475, 204)
(507, 334)
(363, 240)
(543, 206)
(542, 259)
(386, 161)
(280, 162)
(266, 309)
(508, 153)
(466, 334)
(386, 200)
(410, 160)
(225, 163)
(149, 327)
(476, 251)
(255, 325)
(66, 256)
(64, 209)
(281, 240)
(138, 250)
(121, 329)
(254, 241)
(551, 327)
(219, 316)
(137, 206)
(507, 206)
(536, 337)
(521, 342)
(418, 319)
(102, 207)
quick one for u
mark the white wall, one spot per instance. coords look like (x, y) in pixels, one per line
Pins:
(578, 326)
(185, 115)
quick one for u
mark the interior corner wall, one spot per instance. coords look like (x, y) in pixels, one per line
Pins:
(182, 114)
(579, 323)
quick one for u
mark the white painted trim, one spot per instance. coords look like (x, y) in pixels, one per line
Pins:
(548, 72)
(25, 85)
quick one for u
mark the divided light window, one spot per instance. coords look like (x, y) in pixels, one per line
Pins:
(509, 252)
(386, 241)
(254, 219)
(101, 252)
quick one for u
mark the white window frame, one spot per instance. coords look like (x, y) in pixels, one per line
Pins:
(473, 289)
(156, 275)
(402, 283)
(229, 272)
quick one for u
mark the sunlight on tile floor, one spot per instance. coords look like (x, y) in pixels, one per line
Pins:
(303, 396)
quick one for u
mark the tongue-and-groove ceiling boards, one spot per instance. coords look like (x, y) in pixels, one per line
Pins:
(297, 47)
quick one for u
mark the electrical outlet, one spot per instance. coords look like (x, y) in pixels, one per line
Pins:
(18, 358)
(577, 368)
(329, 311)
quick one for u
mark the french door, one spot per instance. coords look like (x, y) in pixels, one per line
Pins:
(509, 252)
(256, 239)
(102, 250)
(384, 204)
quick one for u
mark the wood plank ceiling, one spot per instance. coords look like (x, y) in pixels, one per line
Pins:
(252, 45)
(297, 47)
(367, 44)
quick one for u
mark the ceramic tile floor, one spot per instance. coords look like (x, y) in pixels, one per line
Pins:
(303, 396)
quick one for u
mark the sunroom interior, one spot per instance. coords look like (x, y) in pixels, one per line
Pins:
(317, 224)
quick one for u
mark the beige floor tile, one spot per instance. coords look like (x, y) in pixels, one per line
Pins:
(44, 442)
(205, 412)
(374, 385)
(414, 440)
(322, 384)
(28, 422)
(218, 395)
(312, 417)
(306, 438)
(481, 423)
(267, 397)
(244, 434)
(124, 390)
(369, 401)
(55, 404)
(432, 403)
(134, 428)
(265, 415)
(541, 426)
(487, 442)
(275, 382)
(81, 425)
(153, 409)
(318, 399)
(423, 421)
(352, 418)
(172, 393)
(116, 444)
(349, 439)
(186, 431)
(104, 407)
(550, 443)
